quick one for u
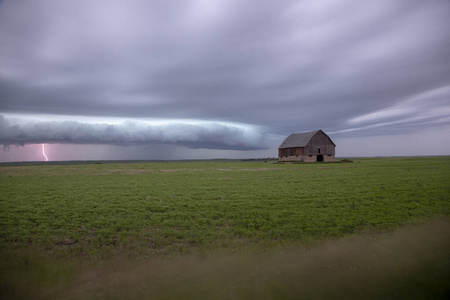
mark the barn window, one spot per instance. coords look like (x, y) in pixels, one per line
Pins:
(318, 150)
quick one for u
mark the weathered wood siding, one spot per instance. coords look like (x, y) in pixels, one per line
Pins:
(319, 141)
(290, 154)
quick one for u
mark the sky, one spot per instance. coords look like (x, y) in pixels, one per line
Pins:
(202, 79)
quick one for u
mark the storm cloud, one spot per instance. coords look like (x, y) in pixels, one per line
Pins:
(207, 135)
(352, 68)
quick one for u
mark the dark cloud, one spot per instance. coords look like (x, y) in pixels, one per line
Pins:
(289, 66)
(206, 135)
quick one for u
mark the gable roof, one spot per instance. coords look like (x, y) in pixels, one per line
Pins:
(298, 139)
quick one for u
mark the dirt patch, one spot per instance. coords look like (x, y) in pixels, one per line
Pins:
(342, 167)
(170, 170)
(131, 171)
(254, 170)
(262, 169)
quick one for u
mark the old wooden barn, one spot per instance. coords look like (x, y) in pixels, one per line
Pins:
(309, 146)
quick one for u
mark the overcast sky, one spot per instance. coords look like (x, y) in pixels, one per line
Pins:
(145, 79)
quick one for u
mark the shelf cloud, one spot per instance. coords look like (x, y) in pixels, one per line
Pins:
(192, 135)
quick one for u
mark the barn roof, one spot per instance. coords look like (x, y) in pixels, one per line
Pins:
(298, 139)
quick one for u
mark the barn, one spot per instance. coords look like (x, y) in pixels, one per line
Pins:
(309, 146)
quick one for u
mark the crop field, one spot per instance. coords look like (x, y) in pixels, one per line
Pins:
(65, 228)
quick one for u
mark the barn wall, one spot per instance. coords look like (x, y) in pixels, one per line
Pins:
(310, 158)
(313, 158)
(290, 158)
(306, 158)
(290, 154)
(322, 141)
(328, 157)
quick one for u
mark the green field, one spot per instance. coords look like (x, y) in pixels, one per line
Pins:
(62, 221)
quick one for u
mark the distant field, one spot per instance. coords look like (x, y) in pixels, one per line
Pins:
(138, 211)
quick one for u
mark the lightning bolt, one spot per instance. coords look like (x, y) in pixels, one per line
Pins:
(43, 152)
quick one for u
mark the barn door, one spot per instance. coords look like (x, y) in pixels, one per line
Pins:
(319, 157)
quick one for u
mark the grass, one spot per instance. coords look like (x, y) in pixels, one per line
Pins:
(59, 222)
(409, 263)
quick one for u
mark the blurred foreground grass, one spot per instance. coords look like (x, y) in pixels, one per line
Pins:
(412, 262)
